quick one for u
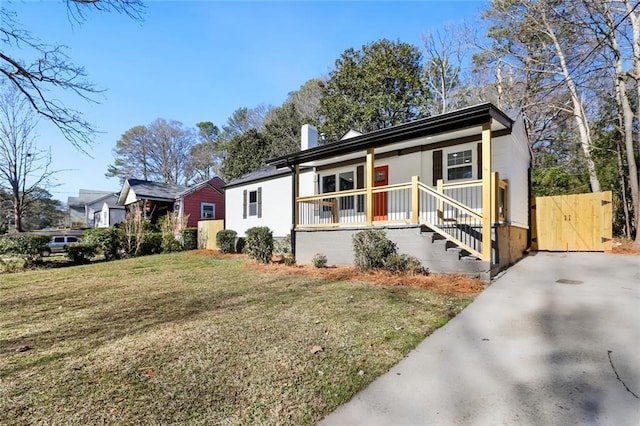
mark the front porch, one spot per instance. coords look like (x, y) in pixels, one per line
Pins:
(454, 211)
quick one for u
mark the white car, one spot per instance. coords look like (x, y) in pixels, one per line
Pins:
(58, 244)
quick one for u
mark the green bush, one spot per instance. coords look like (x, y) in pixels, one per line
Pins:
(240, 243)
(319, 260)
(109, 241)
(371, 248)
(151, 243)
(403, 264)
(226, 240)
(259, 243)
(29, 247)
(81, 252)
(170, 243)
(190, 238)
(282, 245)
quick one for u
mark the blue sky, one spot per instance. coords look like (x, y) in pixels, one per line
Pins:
(197, 61)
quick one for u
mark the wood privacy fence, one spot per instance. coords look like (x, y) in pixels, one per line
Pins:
(207, 231)
(580, 222)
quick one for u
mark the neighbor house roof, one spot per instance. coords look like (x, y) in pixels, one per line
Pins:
(148, 190)
(200, 185)
(467, 118)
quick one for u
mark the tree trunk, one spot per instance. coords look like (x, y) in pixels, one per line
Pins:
(578, 109)
(634, 183)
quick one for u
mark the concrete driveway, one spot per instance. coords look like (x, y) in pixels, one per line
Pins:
(553, 341)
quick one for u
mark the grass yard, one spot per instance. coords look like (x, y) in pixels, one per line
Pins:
(198, 339)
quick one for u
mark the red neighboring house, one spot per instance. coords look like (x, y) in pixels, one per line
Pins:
(203, 201)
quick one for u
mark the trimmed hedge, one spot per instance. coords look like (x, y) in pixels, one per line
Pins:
(259, 243)
(81, 252)
(190, 238)
(226, 241)
(371, 248)
(108, 240)
(29, 247)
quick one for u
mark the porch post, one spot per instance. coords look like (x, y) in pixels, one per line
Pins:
(487, 201)
(369, 186)
(415, 199)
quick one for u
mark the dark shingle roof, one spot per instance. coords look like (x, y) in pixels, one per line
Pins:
(155, 190)
(265, 172)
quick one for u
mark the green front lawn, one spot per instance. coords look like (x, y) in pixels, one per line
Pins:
(193, 338)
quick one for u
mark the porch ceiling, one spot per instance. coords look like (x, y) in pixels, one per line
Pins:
(458, 124)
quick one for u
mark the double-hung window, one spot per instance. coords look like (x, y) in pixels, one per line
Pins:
(459, 165)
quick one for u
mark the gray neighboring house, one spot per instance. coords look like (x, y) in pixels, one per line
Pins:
(82, 209)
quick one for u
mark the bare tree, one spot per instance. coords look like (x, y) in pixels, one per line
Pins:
(24, 169)
(49, 69)
(444, 54)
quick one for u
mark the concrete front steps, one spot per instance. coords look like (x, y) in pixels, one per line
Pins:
(444, 256)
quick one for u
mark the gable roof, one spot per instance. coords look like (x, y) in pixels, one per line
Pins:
(466, 118)
(265, 172)
(211, 182)
(145, 189)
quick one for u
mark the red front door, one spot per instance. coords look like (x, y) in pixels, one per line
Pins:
(380, 178)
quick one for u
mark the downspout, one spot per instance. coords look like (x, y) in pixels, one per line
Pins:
(294, 191)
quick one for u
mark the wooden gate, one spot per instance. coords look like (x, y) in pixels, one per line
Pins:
(580, 222)
(207, 231)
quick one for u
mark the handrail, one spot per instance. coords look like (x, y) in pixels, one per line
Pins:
(336, 194)
(449, 200)
(465, 184)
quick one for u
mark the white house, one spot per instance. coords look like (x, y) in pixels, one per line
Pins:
(108, 216)
(82, 209)
(439, 187)
(263, 198)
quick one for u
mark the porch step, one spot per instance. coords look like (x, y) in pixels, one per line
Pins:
(445, 256)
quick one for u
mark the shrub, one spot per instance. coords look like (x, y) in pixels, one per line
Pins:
(403, 264)
(190, 238)
(240, 243)
(226, 240)
(107, 240)
(81, 252)
(151, 243)
(28, 247)
(259, 243)
(170, 243)
(168, 225)
(282, 245)
(371, 248)
(319, 260)
(289, 260)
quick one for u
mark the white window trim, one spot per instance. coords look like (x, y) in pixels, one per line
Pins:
(213, 213)
(445, 165)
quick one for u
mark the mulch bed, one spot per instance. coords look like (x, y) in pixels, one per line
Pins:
(442, 283)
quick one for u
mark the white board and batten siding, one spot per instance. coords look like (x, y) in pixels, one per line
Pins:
(274, 208)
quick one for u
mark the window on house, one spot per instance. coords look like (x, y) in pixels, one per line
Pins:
(252, 203)
(207, 210)
(459, 165)
(345, 182)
